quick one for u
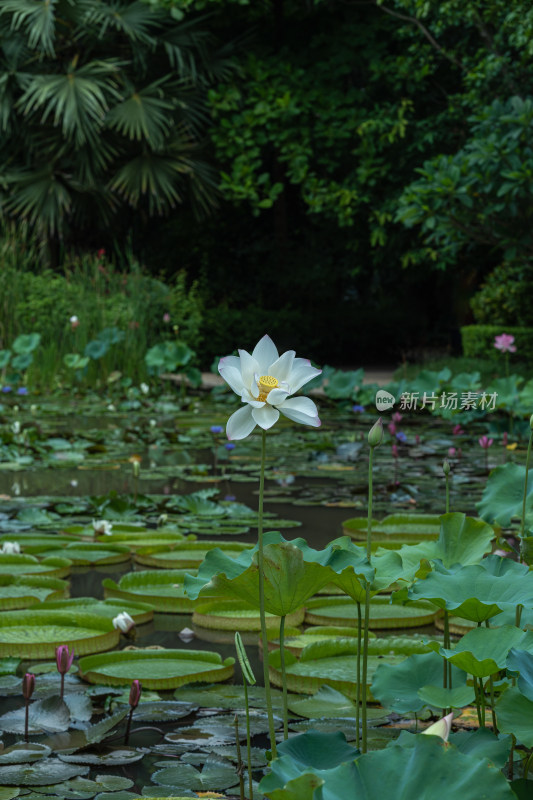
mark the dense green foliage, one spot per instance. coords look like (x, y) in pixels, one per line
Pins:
(360, 162)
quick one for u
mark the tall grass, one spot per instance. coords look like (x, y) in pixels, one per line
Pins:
(100, 295)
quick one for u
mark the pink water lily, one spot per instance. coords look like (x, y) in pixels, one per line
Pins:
(485, 442)
(264, 381)
(505, 343)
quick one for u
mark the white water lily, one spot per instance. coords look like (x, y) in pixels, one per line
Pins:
(145, 389)
(10, 547)
(265, 382)
(102, 526)
(123, 622)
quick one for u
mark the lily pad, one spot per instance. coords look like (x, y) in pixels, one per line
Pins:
(237, 615)
(40, 773)
(215, 773)
(15, 564)
(45, 716)
(156, 669)
(163, 590)
(83, 553)
(139, 612)
(185, 555)
(383, 614)
(36, 634)
(26, 590)
(405, 527)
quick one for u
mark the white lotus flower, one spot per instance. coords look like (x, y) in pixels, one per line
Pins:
(264, 381)
(441, 727)
(145, 389)
(15, 427)
(102, 526)
(10, 547)
(123, 622)
(186, 635)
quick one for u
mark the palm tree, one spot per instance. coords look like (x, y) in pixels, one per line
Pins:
(101, 107)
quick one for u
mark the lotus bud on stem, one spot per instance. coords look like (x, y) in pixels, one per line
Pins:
(64, 659)
(375, 437)
(28, 685)
(135, 696)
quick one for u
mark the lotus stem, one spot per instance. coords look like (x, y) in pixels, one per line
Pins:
(26, 720)
(482, 691)
(260, 564)
(240, 768)
(283, 676)
(358, 709)
(523, 527)
(367, 599)
(478, 705)
(248, 738)
(518, 615)
(128, 727)
(511, 757)
(492, 706)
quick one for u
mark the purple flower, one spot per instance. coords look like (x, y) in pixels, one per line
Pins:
(216, 429)
(229, 446)
(401, 436)
(6, 389)
(22, 390)
(358, 409)
(485, 442)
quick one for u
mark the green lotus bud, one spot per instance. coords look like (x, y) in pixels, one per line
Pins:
(375, 435)
(446, 467)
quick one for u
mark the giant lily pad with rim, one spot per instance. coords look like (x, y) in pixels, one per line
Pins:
(85, 553)
(185, 555)
(139, 612)
(156, 669)
(19, 564)
(21, 591)
(383, 614)
(237, 615)
(36, 634)
(163, 590)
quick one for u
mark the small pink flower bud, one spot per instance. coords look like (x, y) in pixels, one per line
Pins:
(394, 450)
(28, 685)
(135, 693)
(64, 658)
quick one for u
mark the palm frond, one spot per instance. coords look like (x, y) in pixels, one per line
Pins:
(36, 18)
(138, 21)
(146, 114)
(38, 197)
(77, 101)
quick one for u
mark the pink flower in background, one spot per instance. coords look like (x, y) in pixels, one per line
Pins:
(166, 317)
(505, 343)
(392, 428)
(505, 439)
(457, 430)
(397, 417)
(394, 450)
(452, 451)
(100, 253)
(485, 442)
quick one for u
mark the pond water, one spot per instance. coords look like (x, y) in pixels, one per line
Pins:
(71, 465)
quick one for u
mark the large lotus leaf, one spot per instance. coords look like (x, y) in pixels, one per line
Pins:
(521, 661)
(483, 743)
(26, 343)
(397, 772)
(216, 774)
(156, 669)
(483, 651)
(327, 702)
(49, 716)
(504, 493)
(438, 697)
(396, 686)
(293, 572)
(473, 592)
(40, 773)
(318, 750)
(462, 540)
(514, 713)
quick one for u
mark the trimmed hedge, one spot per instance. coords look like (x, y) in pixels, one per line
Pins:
(478, 342)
